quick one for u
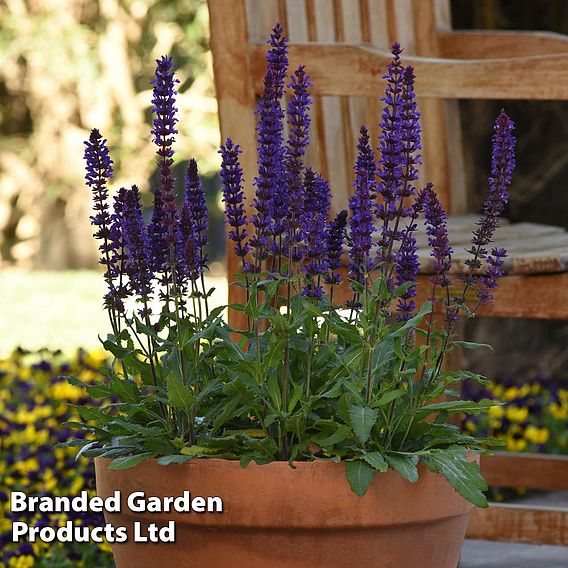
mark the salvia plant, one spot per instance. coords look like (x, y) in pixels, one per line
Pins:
(309, 378)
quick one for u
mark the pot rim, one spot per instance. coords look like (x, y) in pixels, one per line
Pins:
(313, 495)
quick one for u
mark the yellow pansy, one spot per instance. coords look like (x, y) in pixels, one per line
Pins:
(516, 414)
(537, 435)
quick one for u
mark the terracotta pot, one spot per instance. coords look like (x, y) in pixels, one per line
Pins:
(275, 516)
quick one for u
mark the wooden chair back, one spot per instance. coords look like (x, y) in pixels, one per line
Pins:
(345, 47)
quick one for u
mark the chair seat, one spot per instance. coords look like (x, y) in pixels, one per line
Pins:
(531, 248)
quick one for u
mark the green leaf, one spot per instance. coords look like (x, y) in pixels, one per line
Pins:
(456, 406)
(425, 309)
(129, 461)
(362, 419)
(405, 464)
(359, 475)
(376, 460)
(471, 345)
(176, 458)
(179, 395)
(193, 451)
(464, 476)
(275, 392)
(387, 397)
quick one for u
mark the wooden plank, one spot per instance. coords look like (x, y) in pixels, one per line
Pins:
(357, 70)
(542, 296)
(335, 113)
(436, 154)
(299, 29)
(534, 471)
(516, 523)
(477, 44)
(236, 98)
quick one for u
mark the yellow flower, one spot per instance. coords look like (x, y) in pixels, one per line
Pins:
(560, 412)
(496, 411)
(511, 393)
(515, 414)
(537, 435)
(65, 391)
(514, 445)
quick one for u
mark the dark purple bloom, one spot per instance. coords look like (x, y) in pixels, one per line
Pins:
(136, 246)
(488, 280)
(290, 198)
(163, 228)
(190, 258)
(407, 267)
(437, 231)
(502, 165)
(270, 150)
(98, 171)
(195, 199)
(234, 197)
(390, 139)
(410, 134)
(335, 239)
(118, 289)
(315, 232)
(361, 226)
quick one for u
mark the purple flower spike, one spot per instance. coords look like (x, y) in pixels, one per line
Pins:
(390, 140)
(234, 197)
(163, 227)
(315, 232)
(410, 134)
(189, 249)
(335, 239)
(437, 231)
(494, 271)
(502, 165)
(197, 206)
(136, 247)
(270, 150)
(98, 171)
(298, 140)
(361, 226)
(407, 267)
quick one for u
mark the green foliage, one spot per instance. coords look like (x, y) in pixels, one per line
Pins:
(314, 383)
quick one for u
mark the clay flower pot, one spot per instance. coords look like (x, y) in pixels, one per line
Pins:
(275, 516)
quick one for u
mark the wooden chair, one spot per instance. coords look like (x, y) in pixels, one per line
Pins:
(345, 47)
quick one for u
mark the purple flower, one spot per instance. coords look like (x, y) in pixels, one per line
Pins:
(335, 239)
(98, 170)
(291, 197)
(390, 139)
(270, 150)
(488, 280)
(315, 231)
(118, 290)
(407, 267)
(361, 211)
(189, 250)
(234, 197)
(197, 206)
(410, 134)
(437, 231)
(136, 246)
(502, 165)
(163, 227)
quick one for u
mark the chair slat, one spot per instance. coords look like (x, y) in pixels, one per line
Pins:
(358, 70)
(534, 471)
(516, 523)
